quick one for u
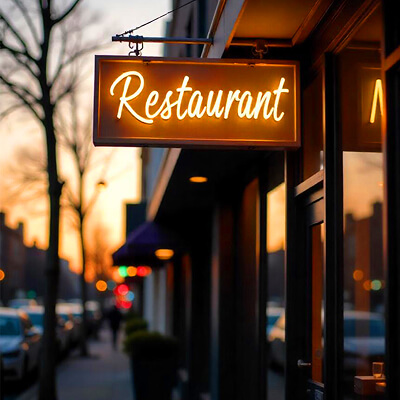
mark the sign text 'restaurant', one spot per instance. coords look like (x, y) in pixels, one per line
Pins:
(163, 102)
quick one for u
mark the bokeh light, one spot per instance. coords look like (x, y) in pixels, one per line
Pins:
(130, 296)
(2, 275)
(122, 290)
(116, 276)
(164, 254)
(111, 285)
(367, 285)
(101, 285)
(143, 271)
(376, 285)
(358, 275)
(122, 270)
(131, 271)
(126, 304)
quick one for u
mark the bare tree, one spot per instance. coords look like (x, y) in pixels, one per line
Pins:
(25, 182)
(39, 49)
(75, 135)
(99, 254)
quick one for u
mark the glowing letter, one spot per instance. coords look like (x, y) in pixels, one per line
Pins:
(277, 93)
(152, 101)
(232, 96)
(246, 112)
(216, 110)
(196, 112)
(181, 92)
(167, 112)
(123, 100)
(262, 98)
(377, 94)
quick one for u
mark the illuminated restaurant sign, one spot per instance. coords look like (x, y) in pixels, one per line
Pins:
(195, 103)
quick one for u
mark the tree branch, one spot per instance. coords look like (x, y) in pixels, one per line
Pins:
(16, 54)
(71, 201)
(28, 20)
(18, 37)
(66, 13)
(14, 89)
(71, 60)
(10, 110)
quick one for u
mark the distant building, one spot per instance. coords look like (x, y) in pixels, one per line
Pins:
(364, 252)
(12, 259)
(24, 267)
(35, 271)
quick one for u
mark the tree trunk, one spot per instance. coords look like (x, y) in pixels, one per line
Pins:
(84, 332)
(47, 388)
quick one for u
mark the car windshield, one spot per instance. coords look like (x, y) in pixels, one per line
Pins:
(364, 328)
(37, 319)
(9, 326)
(271, 319)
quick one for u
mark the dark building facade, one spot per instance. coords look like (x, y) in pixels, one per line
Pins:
(315, 231)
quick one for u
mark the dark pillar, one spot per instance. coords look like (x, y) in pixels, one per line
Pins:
(199, 318)
(391, 66)
(222, 361)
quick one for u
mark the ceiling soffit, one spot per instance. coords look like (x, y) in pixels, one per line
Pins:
(288, 20)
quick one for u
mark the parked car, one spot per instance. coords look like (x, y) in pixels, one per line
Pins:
(276, 338)
(273, 313)
(18, 303)
(19, 343)
(364, 342)
(63, 330)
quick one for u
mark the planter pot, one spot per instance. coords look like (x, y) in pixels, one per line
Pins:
(153, 378)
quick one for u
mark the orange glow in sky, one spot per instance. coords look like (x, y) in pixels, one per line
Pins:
(122, 178)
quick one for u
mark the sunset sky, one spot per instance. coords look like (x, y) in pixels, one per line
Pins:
(18, 130)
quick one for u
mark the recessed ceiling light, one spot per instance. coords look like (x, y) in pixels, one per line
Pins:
(198, 179)
(164, 254)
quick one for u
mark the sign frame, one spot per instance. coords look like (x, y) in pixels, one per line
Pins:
(199, 143)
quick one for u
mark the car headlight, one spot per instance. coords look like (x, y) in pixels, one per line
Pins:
(11, 354)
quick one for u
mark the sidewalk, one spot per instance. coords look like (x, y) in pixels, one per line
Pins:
(105, 375)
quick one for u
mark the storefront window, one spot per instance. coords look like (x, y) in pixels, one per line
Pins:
(276, 292)
(361, 95)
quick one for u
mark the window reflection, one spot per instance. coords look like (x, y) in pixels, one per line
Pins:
(275, 329)
(361, 97)
(364, 283)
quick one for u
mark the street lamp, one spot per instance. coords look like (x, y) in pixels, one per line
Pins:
(101, 185)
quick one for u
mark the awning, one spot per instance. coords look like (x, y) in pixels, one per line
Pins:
(143, 242)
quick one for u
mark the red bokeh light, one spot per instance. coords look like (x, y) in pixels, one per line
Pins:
(142, 271)
(122, 290)
(126, 304)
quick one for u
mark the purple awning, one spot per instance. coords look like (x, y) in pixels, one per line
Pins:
(141, 244)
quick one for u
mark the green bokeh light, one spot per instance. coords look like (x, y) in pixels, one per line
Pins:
(123, 271)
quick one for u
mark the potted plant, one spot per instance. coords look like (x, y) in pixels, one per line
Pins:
(154, 360)
(135, 324)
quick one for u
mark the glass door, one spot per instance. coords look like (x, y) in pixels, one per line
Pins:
(310, 364)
